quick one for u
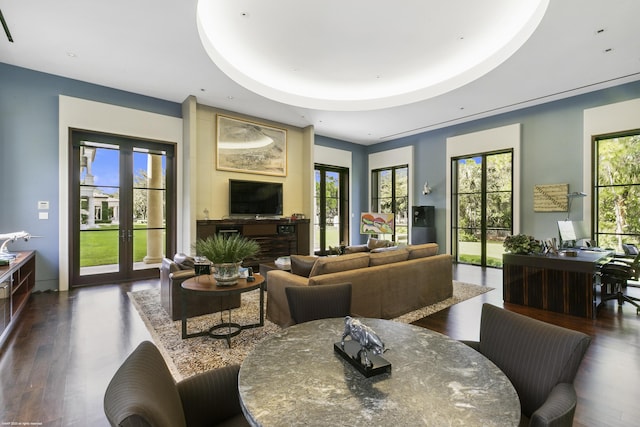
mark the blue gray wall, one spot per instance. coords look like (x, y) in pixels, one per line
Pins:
(551, 153)
(29, 154)
(359, 180)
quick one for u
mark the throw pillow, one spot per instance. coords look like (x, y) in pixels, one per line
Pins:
(388, 257)
(333, 264)
(356, 248)
(301, 265)
(387, 249)
(422, 251)
(184, 261)
(374, 243)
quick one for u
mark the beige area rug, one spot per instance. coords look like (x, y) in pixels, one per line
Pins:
(193, 355)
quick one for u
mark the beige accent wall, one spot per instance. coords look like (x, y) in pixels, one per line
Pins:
(210, 187)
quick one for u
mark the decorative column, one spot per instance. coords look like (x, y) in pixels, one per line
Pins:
(154, 209)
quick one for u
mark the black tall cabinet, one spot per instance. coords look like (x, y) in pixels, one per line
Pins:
(423, 224)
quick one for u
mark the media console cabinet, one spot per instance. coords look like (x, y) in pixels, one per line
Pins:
(17, 281)
(276, 237)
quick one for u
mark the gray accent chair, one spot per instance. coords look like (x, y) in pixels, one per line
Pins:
(307, 303)
(175, 271)
(540, 359)
(143, 393)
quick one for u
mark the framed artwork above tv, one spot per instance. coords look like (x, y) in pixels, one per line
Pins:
(244, 146)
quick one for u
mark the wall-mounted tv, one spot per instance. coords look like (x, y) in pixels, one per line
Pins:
(255, 198)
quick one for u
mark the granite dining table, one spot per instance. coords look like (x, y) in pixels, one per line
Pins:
(295, 377)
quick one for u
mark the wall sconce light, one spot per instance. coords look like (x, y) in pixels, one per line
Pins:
(426, 189)
(570, 197)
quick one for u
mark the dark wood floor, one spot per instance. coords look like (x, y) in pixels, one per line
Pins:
(57, 363)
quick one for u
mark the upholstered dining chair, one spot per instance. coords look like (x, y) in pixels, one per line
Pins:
(308, 303)
(143, 393)
(541, 361)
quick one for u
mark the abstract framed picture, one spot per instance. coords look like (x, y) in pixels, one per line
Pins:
(249, 147)
(376, 223)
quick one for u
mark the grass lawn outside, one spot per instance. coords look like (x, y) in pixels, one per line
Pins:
(469, 252)
(99, 246)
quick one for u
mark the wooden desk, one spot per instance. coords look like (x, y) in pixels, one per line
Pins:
(205, 286)
(294, 377)
(563, 284)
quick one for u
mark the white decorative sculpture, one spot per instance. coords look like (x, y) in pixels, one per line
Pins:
(11, 237)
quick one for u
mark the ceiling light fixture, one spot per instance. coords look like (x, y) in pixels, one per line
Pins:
(414, 44)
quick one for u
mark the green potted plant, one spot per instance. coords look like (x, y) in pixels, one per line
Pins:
(521, 244)
(226, 255)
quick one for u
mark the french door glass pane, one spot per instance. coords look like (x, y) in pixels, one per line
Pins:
(149, 209)
(99, 208)
(332, 208)
(484, 207)
(316, 213)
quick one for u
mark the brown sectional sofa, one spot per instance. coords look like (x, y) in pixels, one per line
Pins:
(385, 284)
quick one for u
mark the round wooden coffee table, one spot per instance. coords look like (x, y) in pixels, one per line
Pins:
(205, 286)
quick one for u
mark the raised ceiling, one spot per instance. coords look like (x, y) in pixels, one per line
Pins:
(399, 70)
(348, 61)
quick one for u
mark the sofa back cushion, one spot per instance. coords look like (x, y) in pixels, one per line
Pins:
(301, 265)
(334, 264)
(388, 257)
(422, 251)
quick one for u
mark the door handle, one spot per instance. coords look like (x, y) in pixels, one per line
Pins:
(126, 235)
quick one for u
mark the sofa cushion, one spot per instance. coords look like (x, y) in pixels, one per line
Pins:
(424, 250)
(388, 257)
(387, 249)
(184, 261)
(374, 243)
(334, 264)
(356, 248)
(301, 265)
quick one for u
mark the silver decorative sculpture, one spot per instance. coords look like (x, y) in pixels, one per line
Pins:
(365, 336)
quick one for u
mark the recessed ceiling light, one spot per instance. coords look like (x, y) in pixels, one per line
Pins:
(409, 42)
(71, 55)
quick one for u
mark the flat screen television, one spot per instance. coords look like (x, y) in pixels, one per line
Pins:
(255, 198)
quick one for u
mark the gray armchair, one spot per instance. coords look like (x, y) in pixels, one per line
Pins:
(175, 271)
(143, 393)
(540, 359)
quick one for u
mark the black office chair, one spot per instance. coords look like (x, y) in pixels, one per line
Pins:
(308, 303)
(613, 279)
(630, 249)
